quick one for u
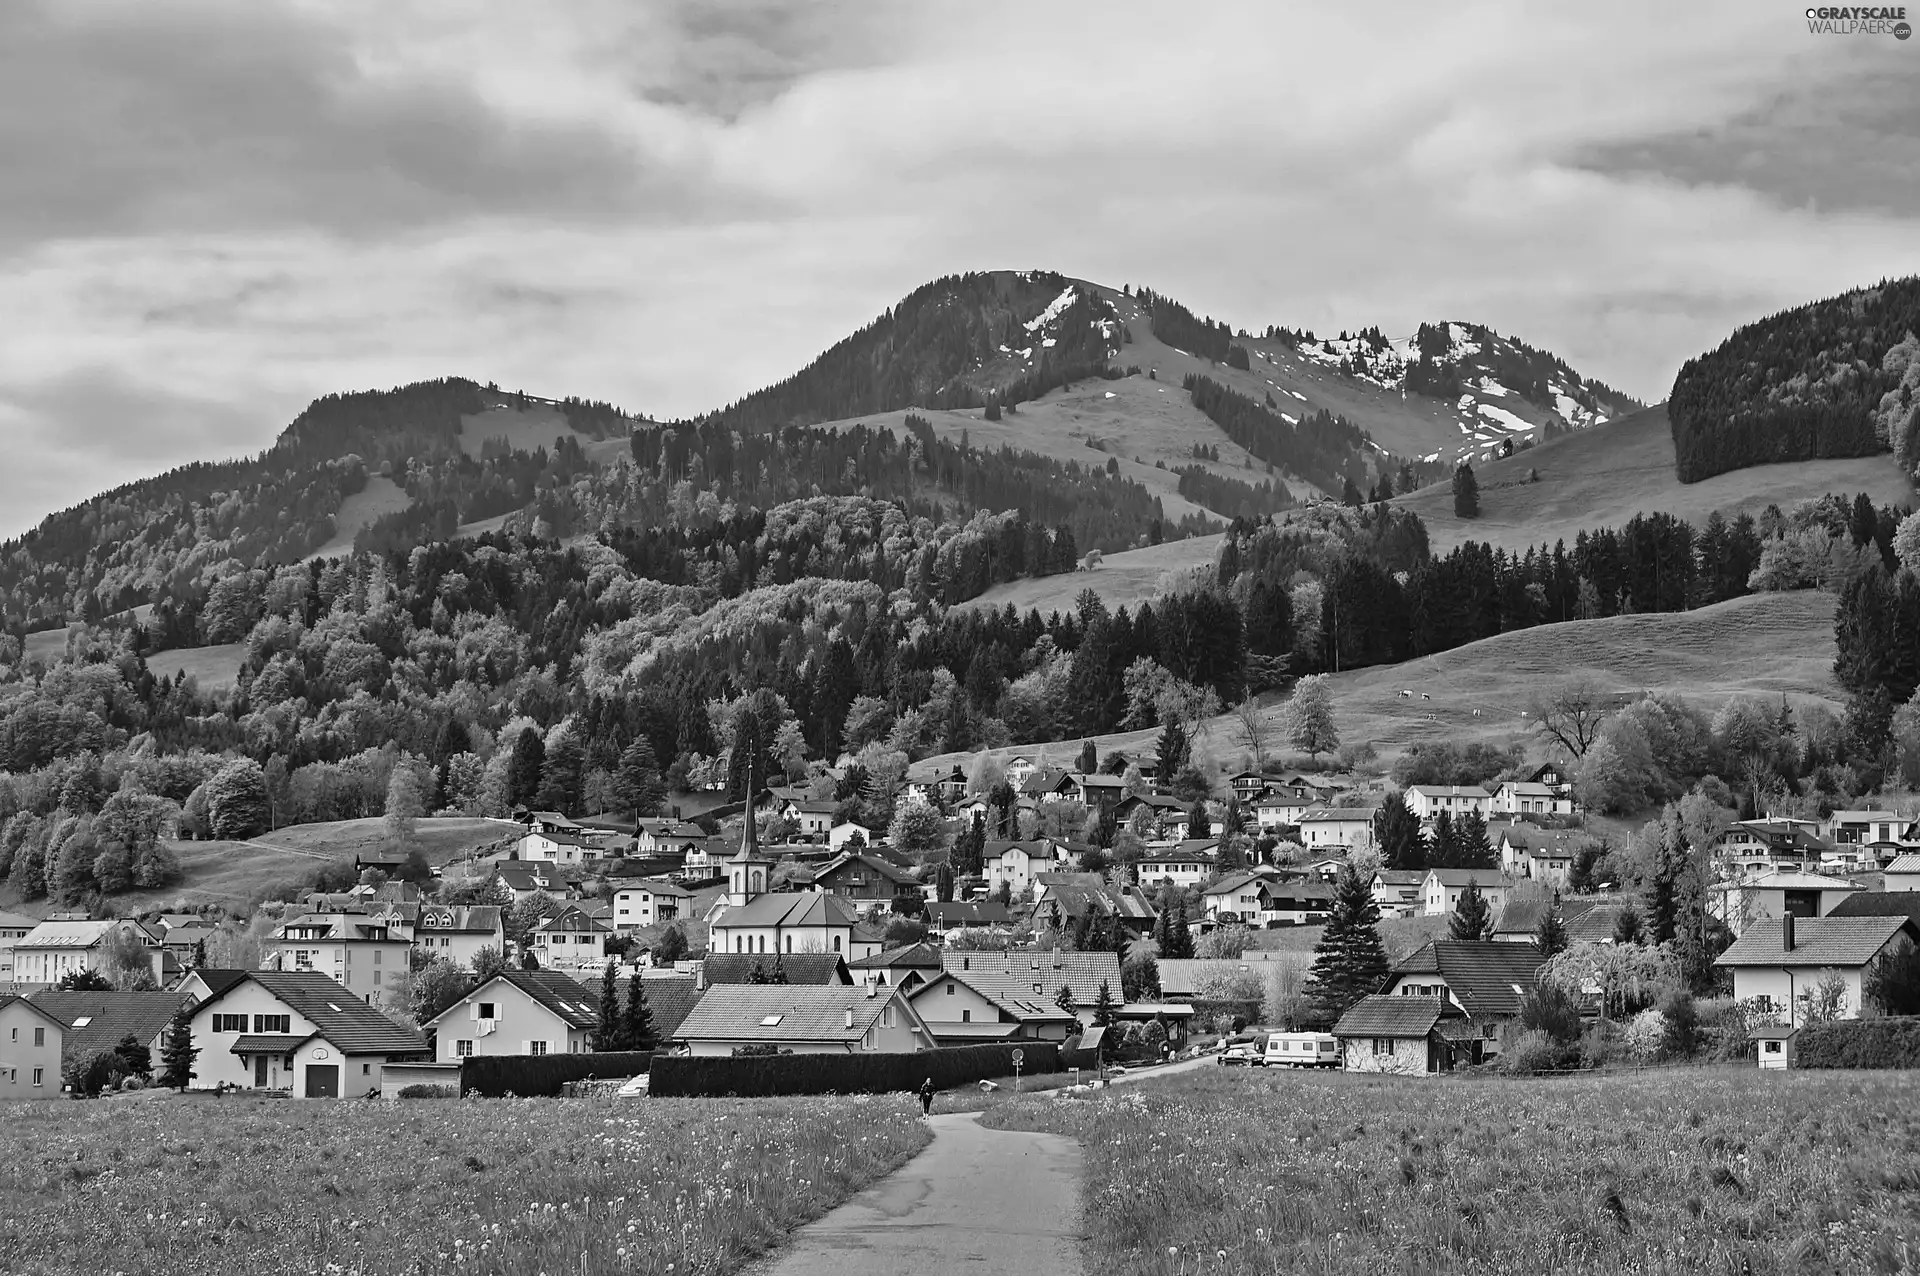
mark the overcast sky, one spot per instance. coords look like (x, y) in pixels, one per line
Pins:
(213, 212)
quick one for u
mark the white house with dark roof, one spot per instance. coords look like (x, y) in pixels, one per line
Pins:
(297, 1031)
(100, 1020)
(800, 922)
(1279, 808)
(457, 933)
(1040, 973)
(1525, 797)
(1779, 961)
(1441, 889)
(846, 831)
(518, 1012)
(1539, 855)
(1776, 894)
(1016, 864)
(1337, 827)
(1183, 864)
(967, 1009)
(648, 902)
(1427, 801)
(63, 946)
(1903, 874)
(569, 938)
(30, 1045)
(356, 950)
(656, 837)
(553, 847)
(804, 1019)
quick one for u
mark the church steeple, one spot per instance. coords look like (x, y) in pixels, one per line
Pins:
(747, 873)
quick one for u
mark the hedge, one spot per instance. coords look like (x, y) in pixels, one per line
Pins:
(1859, 1043)
(496, 1076)
(688, 1076)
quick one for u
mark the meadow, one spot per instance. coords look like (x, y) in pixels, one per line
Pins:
(1717, 1170)
(159, 1184)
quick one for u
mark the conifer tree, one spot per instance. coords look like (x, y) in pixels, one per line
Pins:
(1104, 1010)
(1443, 844)
(606, 1033)
(1064, 1000)
(779, 975)
(1472, 919)
(177, 1051)
(636, 1026)
(758, 974)
(1198, 825)
(1552, 935)
(1348, 962)
(1472, 849)
(1466, 492)
(1396, 832)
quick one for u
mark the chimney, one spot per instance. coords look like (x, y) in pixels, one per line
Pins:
(1786, 933)
(849, 1016)
(873, 990)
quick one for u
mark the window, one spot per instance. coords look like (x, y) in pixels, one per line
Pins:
(1383, 1045)
(377, 955)
(536, 1047)
(282, 1024)
(39, 1076)
(950, 988)
(1773, 1047)
(487, 1010)
(836, 943)
(463, 1049)
(966, 1016)
(40, 1038)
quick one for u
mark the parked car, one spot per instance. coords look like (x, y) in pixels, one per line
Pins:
(1242, 1054)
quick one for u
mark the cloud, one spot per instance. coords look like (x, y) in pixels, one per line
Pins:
(669, 203)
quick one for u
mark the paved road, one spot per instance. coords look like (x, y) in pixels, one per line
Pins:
(1157, 1070)
(976, 1200)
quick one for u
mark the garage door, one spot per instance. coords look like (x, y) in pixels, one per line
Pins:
(323, 1081)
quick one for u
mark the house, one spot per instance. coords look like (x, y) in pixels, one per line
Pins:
(1519, 922)
(1281, 808)
(1018, 770)
(946, 916)
(1183, 864)
(1903, 873)
(797, 968)
(1780, 893)
(1235, 898)
(1040, 783)
(941, 787)
(458, 933)
(1162, 815)
(966, 1009)
(1247, 786)
(867, 880)
(524, 881)
(1337, 827)
(361, 953)
(1400, 892)
(1427, 801)
(809, 921)
(1779, 961)
(1039, 973)
(1296, 902)
(570, 938)
(660, 837)
(1553, 777)
(1887, 829)
(1309, 784)
(94, 1021)
(1409, 1036)
(1750, 846)
(814, 820)
(1092, 791)
(1485, 982)
(1264, 899)
(519, 1012)
(1540, 855)
(543, 847)
(1016, 864)
(869, 938)
(297, 1031)
(13, 928)
(1079, 895)
(1773, 1045)
(199, 984)
(30, 1045)
(906, 967)
(1527, 797)
(804, 1019)
(848, 831)
(647, 903)
(1441, 888)
(63, 946)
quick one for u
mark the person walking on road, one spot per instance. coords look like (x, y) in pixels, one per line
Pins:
(926, 1097)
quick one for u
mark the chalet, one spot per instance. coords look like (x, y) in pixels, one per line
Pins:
(1400, 892)
(966, 1009)
(1427, 801)
(1161, 815)
(1040, 973)
(63, 945)
(843, 834)
(1441, 888)
(1041, 783)
(1326, 868)
(794, 968)
(362, 954)
(1266, 900)
(1281, 808)
(1776, 962)
(1781, 893)
(297, 1031)
(519, 1012)
(570, 938)
(867, 881)
(946, 916)
(1015, 865)
(941, 787)
(1903, 874)
(524, 881)
(94, 1021)
(30, 1050)
(1235, 898)
(804, 1019)
(810, 921)
(906, 967)
(647, 903)
(1540, 855)
(1755, 846)
(1247, 786)
(1485, 982)
(1309, 784)
(1080, 895)
(1018, 770)
(1409, 1036)
(1186, 863)
(458, 933)
(1093, 791)
(814, 820)
(655, 838)
(1554, 777)
(1343, 827)
(1524, 797)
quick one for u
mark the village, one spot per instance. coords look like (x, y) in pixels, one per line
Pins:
(1126, 924)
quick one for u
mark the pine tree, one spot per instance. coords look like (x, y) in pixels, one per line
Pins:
(1552, 935)
(1179, 934)
(779, 975)
(1348, 962)
(1105, 1012)
(1443, 845)
(177, 1051)
(1472, 918)
(636, 781)
(1089, 757)
(758, 974)
(523, 768)
(636, 1026)
(1471, 845)
(1466, 493)
(1064, 1000)
(1396, 832)
(1172, 751)
(1198, 825)
(606, 1033)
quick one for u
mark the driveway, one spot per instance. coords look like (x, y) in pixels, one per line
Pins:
(977, 1201)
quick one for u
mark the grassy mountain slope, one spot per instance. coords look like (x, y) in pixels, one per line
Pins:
(1603, 476)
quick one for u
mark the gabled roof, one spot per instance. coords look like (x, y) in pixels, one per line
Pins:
(1879, 904)
(472, 919)
(1484, 878)
(70, 934)
(670, 999)
(1449, 790)
(921, 956)
(1401, 876)
(1487, 979)
(107, 1016)
(348, 1023)
(1528, 788)
(655, 886)
(525, 875)
(1012, 996)
(569, 1000)
(218, 981)
(800, 968)
(551, 817)
(1907, 863)
(1338, 814)
(1817, 941)
(1050, 968)
(1381, 1016)
(778, 1013)
(803, 908)
(1035, 848)
(984, 912)
(1557, 843)
(8, 999)
(1523, 916)
(1079, 893)
(1788, 880)
(573, 920)
(872, 864)
(1193, 851)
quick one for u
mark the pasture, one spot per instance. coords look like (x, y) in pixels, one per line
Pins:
(215, 668)
(380, 496)
(154, 1183)
(1721, 1170)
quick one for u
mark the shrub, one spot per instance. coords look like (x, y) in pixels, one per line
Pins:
(1596, 1047)
(495, 1076)
(101, 1070)
(1645, 1037)
(1683, 1023)
(1721, 1030)
(1859, 1043)
(429, 1092)
(879, 1073)
(1552, 1010)
(1532, 1051)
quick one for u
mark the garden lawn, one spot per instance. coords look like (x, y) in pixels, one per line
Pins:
(1717, 1170)
(160, 1184)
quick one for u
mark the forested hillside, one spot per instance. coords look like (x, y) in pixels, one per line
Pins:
(1833, 378)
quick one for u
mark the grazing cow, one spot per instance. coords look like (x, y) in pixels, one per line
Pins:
(1425, 696)
(1405, 694)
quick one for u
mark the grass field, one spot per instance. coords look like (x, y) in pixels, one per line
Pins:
(1603, 476)
(1724, 1170)
(379, 496)
(159, 1184)
(1125, 579)
(215, 668)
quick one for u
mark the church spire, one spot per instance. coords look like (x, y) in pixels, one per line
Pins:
(750, 837)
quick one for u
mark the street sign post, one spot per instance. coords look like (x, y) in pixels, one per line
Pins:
(1019, 1057)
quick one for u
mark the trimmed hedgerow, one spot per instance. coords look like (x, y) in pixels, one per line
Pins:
(495, 1076)
(1859, 1043)
(757, 1076)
